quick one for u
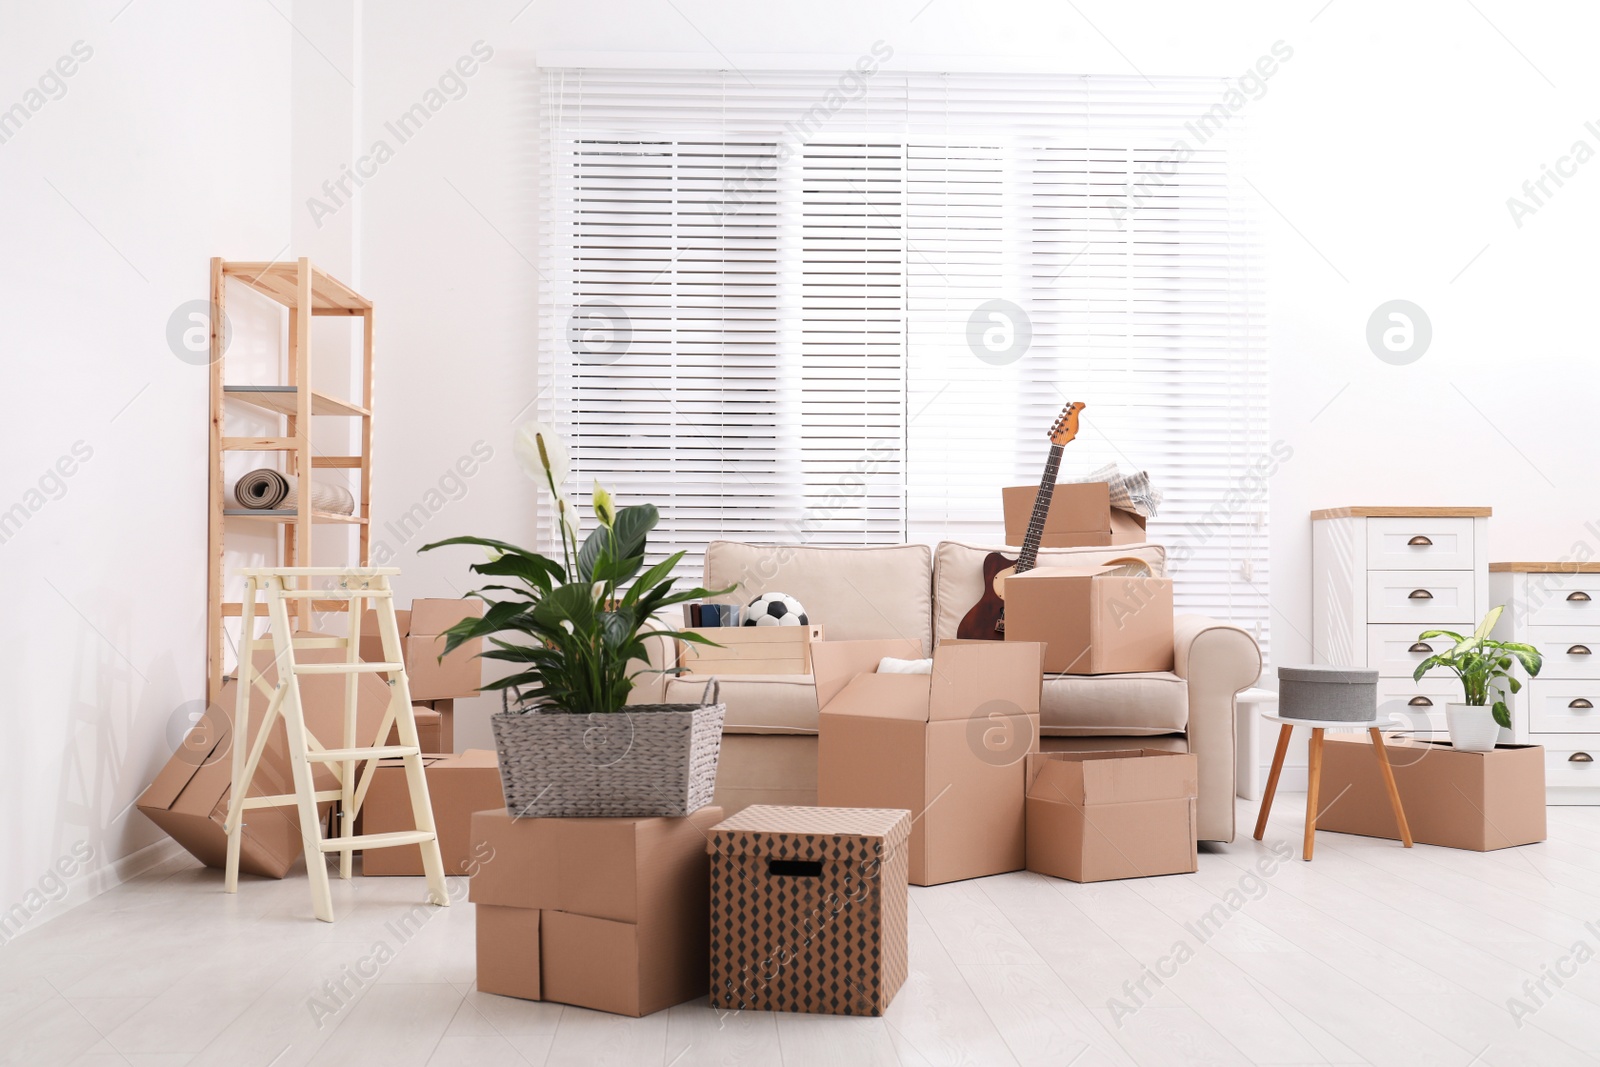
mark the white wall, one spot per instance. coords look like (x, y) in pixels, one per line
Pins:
(167, 146)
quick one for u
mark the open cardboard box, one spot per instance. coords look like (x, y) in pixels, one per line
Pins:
(189, 796)
(949, 747)
(623, 909)
(1094, 816)
(1080, 515)
(1091, 620)
(422, 643)
(750, 650)
(1478, 801)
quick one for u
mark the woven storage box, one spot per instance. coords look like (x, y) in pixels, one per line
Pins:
(647, 760)
(808, 909)
(1344, 694)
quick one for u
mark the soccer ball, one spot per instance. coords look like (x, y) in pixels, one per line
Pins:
(775, 609)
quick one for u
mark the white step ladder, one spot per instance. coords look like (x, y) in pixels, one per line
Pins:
(356, 586)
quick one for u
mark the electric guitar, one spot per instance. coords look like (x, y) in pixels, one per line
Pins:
(987, 619)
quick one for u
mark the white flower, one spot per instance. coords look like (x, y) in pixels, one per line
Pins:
(539, 448)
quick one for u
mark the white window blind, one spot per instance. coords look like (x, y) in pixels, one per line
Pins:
(811, 307)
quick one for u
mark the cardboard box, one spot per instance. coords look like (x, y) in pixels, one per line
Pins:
(508, 951)
(428, 729)
(458, 786)
(809, 909)
(624, 905)
(422, 643)
(371, 644)
(751, 650)
(1092, 621)
(1479, 801)
(189, 797)
(948, 746)
(461, 672)
(1094, 816)
(1080, 515)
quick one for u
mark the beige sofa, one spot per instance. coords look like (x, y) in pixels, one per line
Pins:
(769, 753)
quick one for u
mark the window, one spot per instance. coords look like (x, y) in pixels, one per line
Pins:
(843, 308)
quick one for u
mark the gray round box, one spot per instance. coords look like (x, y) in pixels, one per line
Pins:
(1343, 694)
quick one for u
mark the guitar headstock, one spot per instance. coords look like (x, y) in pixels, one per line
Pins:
(1065, 428)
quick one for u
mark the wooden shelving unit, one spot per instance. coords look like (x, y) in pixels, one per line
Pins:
(307, 293)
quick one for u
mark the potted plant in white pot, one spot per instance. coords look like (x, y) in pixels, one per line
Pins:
(568, 741)
(1485, 667)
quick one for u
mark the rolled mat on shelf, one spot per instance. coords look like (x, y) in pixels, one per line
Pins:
(265, 489)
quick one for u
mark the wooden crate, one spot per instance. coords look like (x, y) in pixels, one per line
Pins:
(751, 650)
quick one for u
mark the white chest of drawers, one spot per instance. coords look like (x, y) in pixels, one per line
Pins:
(1383, 575)
(1556, 608)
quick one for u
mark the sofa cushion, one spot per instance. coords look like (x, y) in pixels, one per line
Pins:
(1113, 705)
(857, 594)
(757, 703)
(958, 573)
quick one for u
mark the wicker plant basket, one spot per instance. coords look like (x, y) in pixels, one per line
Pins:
(648, 759)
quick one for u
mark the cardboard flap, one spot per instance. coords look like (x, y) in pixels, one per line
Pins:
(475, 757)
(834, 663)
(972, 679)
(1116, 777)
(882, 696)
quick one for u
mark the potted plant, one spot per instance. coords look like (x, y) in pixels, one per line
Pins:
(569, 743)
(1484, 666)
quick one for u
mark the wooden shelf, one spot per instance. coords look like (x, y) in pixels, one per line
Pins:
(286, 515)
(302, 291)
(284, 400)
(280, 281)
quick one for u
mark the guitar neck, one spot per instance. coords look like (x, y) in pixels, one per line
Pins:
(1028, 557)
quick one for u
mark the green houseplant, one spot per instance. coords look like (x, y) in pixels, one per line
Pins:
(1484, 666)
(576, 628)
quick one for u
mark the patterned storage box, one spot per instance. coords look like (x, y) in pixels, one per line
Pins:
(808, 909)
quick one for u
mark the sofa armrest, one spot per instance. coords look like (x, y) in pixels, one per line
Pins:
(1217, 661)
(651, 688)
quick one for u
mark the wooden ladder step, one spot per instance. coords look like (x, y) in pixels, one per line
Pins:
(391, 840)
(339, 755)
(348, 668)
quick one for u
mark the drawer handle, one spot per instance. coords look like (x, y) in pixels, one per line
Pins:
(1582, 704)
(1579, 650)
(1419, 594)
(1580, 757)
(1419, 541)
(1579, 595)
(1421, 646)
(1421, 702)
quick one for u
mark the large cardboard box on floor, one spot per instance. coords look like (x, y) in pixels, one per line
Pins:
(458, 786)
(1479, 801)
(1092, 620)
(1094, 816)
(947, 746)
(422, 643)
(189, 797)
(623, 906)
(1080, 515)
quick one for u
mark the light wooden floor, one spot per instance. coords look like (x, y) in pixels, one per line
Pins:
(1370, 954)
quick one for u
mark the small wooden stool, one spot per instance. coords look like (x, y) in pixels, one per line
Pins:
(1314, 771)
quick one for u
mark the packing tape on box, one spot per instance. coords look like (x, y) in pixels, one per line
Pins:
(265, 489)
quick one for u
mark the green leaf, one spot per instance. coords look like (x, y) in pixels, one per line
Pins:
(1429, 634)
(484, 542)
(1501, 714)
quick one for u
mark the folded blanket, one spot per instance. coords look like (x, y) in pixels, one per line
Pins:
(1130, 492)
(265, 489)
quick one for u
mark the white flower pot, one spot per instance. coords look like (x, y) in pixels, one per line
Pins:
(1472, 728)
